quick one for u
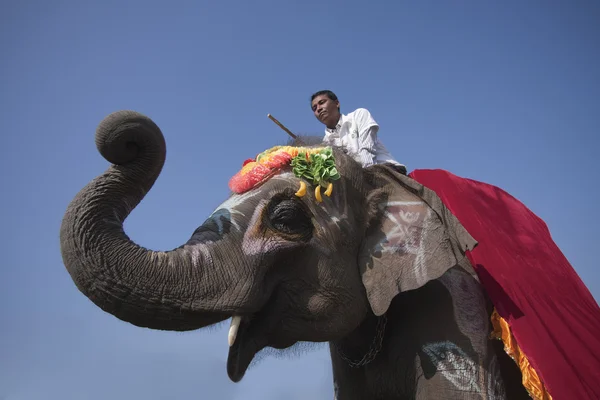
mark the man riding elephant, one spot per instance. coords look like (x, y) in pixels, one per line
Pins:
(356, 132)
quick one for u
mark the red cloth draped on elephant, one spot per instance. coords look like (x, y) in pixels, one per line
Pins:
(551, 314)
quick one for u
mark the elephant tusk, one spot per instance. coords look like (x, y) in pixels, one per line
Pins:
(233, 329)
(329, 189)
(318, 193)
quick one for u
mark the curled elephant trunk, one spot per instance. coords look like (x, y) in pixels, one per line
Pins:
(154, 289)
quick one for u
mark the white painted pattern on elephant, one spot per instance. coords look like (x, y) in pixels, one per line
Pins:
(408, 233)
(401, 236)
(420, 269)
(454, 364)
(332, 222)
(223, 213)
(236, 200)
(228, 209)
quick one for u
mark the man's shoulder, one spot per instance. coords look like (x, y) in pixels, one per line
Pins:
(359, 112)
(362, 116)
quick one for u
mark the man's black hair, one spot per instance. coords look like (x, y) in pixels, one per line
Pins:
(329, 94)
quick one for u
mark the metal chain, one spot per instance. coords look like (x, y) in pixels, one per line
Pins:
(373, 350)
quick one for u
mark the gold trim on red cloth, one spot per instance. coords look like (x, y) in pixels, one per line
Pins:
(531, 380)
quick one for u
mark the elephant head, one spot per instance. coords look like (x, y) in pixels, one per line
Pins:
(286, 268)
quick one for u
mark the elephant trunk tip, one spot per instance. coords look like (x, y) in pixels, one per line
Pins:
(122, 135)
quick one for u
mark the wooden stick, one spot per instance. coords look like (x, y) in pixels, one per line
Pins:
(282, 127)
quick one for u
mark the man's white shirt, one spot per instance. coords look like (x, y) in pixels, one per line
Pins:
(357, 133)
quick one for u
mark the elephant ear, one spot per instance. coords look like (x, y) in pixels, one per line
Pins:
(412, 238)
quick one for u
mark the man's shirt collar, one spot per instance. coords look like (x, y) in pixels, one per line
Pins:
(337, 126)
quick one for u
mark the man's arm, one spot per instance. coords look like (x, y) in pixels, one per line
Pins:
(367, 136)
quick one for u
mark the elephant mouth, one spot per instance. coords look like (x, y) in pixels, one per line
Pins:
(242, 350)
(254, 333)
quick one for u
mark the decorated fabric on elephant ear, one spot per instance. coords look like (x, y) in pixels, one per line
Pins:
(313, 164)
(415, 240)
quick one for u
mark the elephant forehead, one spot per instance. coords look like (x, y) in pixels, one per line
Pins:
(235, 203)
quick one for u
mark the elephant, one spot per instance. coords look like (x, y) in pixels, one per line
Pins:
(377, 269)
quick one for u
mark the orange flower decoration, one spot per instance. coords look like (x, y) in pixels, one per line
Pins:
(266, 164)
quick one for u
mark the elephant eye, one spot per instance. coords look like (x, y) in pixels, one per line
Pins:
(290, 217)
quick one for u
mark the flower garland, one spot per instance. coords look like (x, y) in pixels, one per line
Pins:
(313, 164)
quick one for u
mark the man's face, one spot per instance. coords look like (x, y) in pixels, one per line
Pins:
(326, 110)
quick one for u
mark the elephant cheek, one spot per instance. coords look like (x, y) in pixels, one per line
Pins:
(262, 246)
(335, 315)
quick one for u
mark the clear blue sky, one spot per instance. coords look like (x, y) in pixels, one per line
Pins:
(503, 92)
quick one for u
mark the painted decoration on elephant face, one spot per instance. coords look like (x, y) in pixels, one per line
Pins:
(313, 164)
(226, 212)
(454, 364)
(224, 218)
(407, 225)
(409, 219)
(229, 214)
